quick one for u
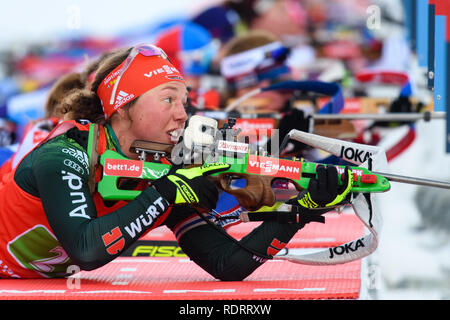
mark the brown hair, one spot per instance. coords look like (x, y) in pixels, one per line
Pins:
(83, 103)
(241, 43)
(247, 41)
(59, 90)
(64, 85)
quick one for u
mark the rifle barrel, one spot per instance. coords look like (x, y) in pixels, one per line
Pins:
(392, 116)
(414, 180)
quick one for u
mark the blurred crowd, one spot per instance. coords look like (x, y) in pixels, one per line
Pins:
(228, 50)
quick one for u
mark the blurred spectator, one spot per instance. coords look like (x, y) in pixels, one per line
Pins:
(7, 132)
(255, 59)
(286, 19)
(36, 130)
(228, 19)
(191, 49)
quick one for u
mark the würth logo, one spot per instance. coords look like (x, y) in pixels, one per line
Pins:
(275, 246)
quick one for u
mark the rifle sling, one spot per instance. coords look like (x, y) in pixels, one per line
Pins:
(93, 155)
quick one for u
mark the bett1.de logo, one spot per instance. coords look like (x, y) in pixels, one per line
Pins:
(123, 168)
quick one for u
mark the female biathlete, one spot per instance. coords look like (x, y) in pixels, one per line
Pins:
(51, 219)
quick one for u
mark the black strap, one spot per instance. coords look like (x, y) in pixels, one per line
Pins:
(297, 215)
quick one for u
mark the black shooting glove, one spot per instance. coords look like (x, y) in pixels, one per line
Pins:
(322, 194)
(325, 191)
(191, 186)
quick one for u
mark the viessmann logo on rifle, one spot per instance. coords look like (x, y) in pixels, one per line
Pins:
(123, 168)
(274, 167)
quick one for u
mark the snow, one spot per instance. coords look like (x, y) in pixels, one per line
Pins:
(414, 262)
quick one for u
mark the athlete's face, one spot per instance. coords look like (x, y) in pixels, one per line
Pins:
(159, 114)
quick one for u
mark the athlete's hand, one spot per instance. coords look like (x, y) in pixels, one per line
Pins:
(191, 186)
(324, 191)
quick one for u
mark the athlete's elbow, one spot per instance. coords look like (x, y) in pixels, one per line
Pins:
(230, 276)
(87, 261)
(86, 265)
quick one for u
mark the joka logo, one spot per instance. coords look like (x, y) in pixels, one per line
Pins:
(354, 154)
(346, 248)
(123, 168)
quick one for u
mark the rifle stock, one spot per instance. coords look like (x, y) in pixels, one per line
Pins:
(259, 172)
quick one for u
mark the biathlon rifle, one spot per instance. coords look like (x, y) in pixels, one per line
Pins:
(260, 171)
